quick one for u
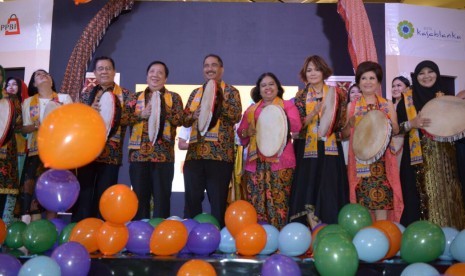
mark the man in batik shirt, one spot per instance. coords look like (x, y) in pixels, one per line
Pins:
(102, 173)
(210, 158)
(151, 147)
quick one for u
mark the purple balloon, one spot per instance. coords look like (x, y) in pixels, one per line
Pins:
(280, 265)
(57, 190)
(204, 239)
(9, 265)
(59, 225)
(139, 237)
(73, 259)
(190, 224)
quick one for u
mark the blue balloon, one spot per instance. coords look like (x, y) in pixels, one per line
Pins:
(416, 269)
(9, 265)
(227, 242)
(272, 235)
(450, 234)
(280, 265)
(371, 244)
(41, 265)
(73, 259)
(294, 239)
(57, 190)
(204, 239)
(457, 248)
(140, 233)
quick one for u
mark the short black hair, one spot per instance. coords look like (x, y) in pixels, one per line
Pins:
(167, 71)
(31, 89)
(97, 59)
(215, 56)
(369, 66)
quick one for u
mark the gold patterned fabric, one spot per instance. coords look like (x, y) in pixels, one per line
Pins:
(441, 199)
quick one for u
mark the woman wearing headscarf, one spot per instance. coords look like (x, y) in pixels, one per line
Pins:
(268, 179)
(9, 179)
(428, 172)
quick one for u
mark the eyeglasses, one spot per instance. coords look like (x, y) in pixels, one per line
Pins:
(101, 69)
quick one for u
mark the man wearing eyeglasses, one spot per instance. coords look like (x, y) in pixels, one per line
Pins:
(102, 173)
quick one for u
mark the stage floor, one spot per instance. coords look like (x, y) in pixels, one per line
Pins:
(225, 264)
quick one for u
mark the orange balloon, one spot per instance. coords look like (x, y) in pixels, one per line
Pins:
(77, 2)
(238, 215)
(85, 232)
(71, 136)
(393, 233)
(3, 231)
(196, 268)
(118, 204)
(251, 240)
(112, 238)
(168, 238)
(457, 269)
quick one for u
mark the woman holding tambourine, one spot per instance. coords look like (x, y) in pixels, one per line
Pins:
(265, 128)
(372, 169)
(430, 121)
(320, 184)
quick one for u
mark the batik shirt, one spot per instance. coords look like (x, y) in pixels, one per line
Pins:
(163, 148)
(223, 149)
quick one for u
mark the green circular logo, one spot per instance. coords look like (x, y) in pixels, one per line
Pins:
(405, 29)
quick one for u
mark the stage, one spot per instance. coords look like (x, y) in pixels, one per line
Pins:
(224, 264)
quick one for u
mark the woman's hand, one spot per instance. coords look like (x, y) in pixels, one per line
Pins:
(146, 112)
(420, 122)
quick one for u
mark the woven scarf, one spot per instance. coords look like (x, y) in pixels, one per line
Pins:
(212, 134)
(34, 113)
(253, 152)
(361, 109)
(136, 134)
(311, 137)
(416, 156)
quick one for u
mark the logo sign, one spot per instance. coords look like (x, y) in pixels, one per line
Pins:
(405, 29)
(12, 26)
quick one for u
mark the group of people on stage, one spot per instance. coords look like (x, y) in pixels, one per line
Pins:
(306, 180)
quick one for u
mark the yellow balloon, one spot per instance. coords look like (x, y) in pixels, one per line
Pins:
(71, 136)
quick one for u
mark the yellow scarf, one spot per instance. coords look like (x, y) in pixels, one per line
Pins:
(212, 134)
(361, 109)
(253, 152)
(34, 113)
(118, 93)
(136, 134)
(416, 156)
(311, 137)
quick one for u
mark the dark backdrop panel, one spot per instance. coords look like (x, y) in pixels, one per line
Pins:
(252, 38)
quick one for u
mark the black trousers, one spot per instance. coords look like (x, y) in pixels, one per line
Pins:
(152, 179)
(94, 179)
(213, 176)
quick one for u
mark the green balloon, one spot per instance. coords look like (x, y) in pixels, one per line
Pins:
(66, 233)
(354, 217)
(204, 217)
(422, 241)
(16, 253)
(330, 229)
(336, 255)
(14, 236)
(39, 236)
(155, 221)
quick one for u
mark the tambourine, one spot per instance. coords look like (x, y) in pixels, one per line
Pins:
(272, 131)
(371, 137)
